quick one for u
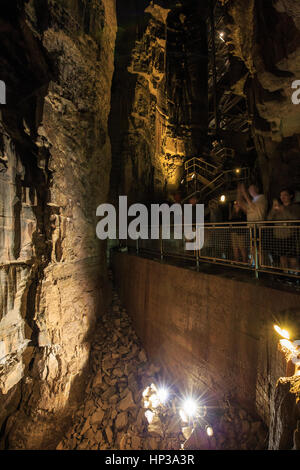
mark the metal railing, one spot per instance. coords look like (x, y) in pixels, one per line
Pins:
(211, 185)
(226, 177)
(194, 164)
(224, 153)
(267, 246)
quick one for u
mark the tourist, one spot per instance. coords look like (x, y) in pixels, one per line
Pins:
(253, 203)
(271, 236)
(288, 237)
(291, 208)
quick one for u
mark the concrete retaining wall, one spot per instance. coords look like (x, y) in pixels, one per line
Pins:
(208, 331)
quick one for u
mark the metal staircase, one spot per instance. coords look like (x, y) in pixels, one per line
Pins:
(207, 181)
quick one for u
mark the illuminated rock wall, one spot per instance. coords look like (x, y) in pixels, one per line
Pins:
(55, 163)
(265, 35)
(159, 99)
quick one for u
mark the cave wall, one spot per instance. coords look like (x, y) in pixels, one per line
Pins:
(265, 35)
(57, 63)
(159, 99)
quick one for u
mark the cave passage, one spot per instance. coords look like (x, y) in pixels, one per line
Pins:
(138, 341)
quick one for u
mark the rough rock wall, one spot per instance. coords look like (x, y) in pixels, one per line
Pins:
(265, 35)
(159, 100)
(285, 409)
(57, 63)
(285, 427)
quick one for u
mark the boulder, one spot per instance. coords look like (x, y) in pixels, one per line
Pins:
(97, 417)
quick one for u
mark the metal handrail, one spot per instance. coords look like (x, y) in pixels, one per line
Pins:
(258, 244)
(219, 181)
(226, 172)
(193, 162)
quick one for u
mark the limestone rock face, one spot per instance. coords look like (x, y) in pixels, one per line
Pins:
(285, 420)
(55, 161)
(266, 37)
(159, 99)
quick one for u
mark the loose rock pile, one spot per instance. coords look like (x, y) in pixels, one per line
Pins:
(113, 415)
(119, 394)
(234, 429)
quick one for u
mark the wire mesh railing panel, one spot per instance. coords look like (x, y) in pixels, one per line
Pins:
(279, 247)
(264, 247)
(228, 244)
(131, 244)
(173, 247)
(177, 247)
(150, 245)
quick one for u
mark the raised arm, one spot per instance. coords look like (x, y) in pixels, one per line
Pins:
(245, 195)
(240, 198)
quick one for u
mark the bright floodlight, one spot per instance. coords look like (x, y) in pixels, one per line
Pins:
(190, 407)
(223, 198)
(154, 400)
(284, 333)
(163, 394)
(237, 170)
(149, 415)
(209, 431)
(183, 416)
(288, 345)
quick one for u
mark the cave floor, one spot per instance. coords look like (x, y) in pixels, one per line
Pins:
(112, 415)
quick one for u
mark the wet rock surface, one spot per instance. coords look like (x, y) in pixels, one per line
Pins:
(265, 37)
(285, 419)
(112, 415)
(57, 62)
(233, 429)
(158, 115)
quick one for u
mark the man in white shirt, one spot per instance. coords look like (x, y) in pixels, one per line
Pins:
(255, 207)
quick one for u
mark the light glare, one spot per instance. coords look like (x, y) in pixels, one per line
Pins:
(288, 345)
(183, 416)
(190, 407)
(163, 394)
(154, 400)
(149, 415)
(284, 333)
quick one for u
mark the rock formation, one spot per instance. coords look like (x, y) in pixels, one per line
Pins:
(159, 98)
(91, 114)
(286, 415)
(285, 402)
(54, 171)
(265, 36)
